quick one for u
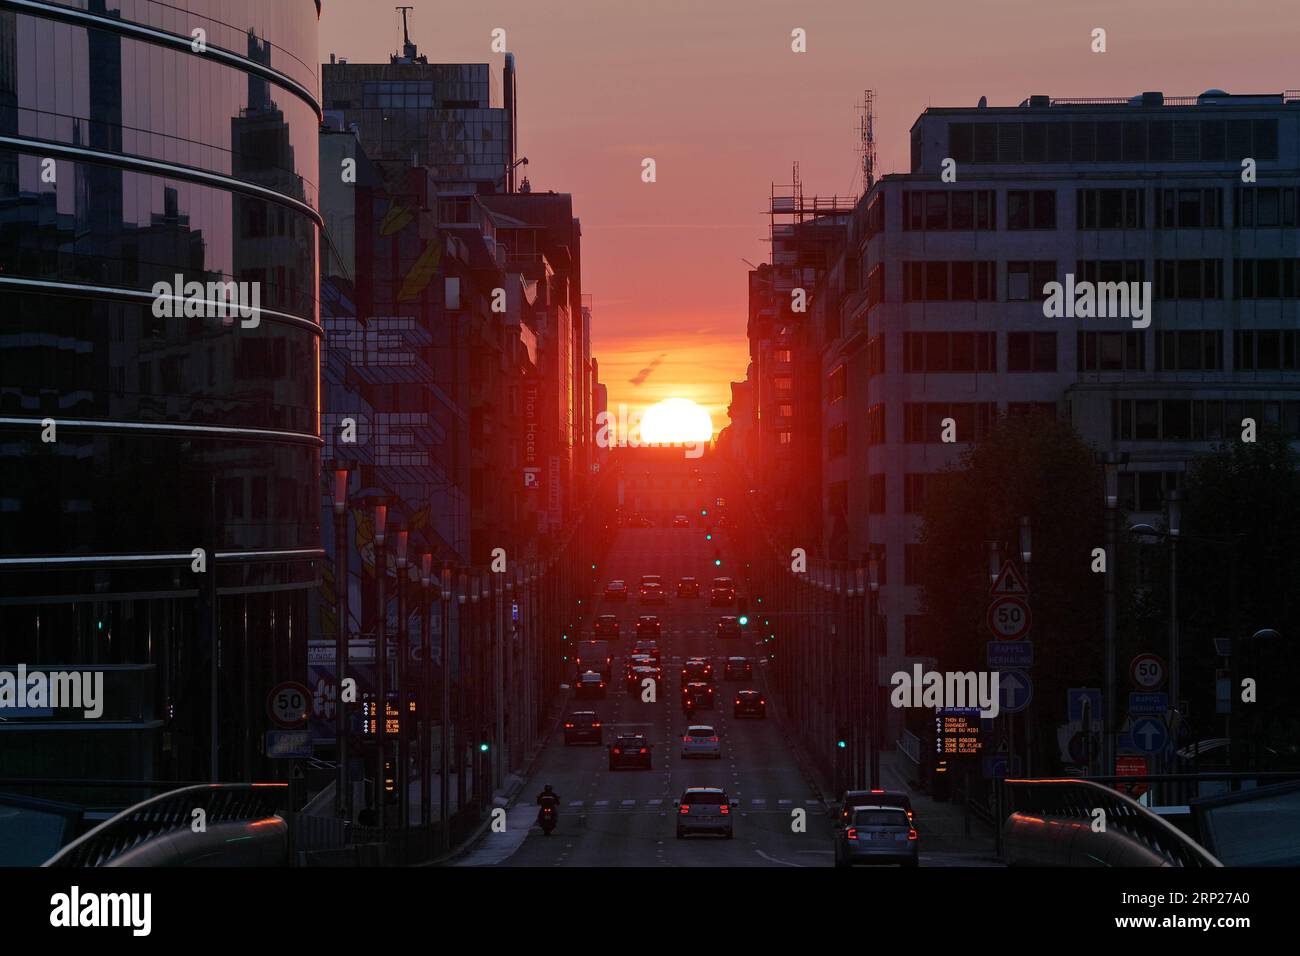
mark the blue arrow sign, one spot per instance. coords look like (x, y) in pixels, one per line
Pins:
(1015, 691)
(1148, 704)
(1010, 654)
(1074, 698)
(1149, 735)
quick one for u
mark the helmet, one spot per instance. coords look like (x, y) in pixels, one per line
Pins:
(547, 788)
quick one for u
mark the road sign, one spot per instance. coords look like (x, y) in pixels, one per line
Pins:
(1074, 698)
(957, 732)
(1148, 703)
(1009, 582)
(1009, 618)
(1010, 654)
(1015, 691)
(289, 703)
(1147, 672)
(1000, 767)
(282, 744)
(1223, 646)
(1129, 765)
(1149, 735)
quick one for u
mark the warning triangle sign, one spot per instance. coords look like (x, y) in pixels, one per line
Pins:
(1009, 581)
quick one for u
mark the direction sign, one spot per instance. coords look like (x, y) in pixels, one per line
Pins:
(288, 743)
(1147, 672)
(1010, 654)
(1149, 735)
(1074, 698)
(1009, 582)
(1147, 703)
(1015, 691)
(289, 703)
(1009, 618)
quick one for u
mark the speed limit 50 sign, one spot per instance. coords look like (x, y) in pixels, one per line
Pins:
(289, 703)
(1009, 618)
(1147, 671)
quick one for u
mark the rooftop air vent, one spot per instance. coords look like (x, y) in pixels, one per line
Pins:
(1156, 98)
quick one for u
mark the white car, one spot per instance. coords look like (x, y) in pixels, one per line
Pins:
(701, 740)
(705, 810)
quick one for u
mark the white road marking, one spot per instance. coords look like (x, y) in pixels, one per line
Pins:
(773, 859)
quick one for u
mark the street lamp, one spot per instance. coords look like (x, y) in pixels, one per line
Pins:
(995, 560)
(1111, 463)
(381, 658)
(343, 794)
(1026, 541)
(403, 705)
(423, 718)
(873, 676)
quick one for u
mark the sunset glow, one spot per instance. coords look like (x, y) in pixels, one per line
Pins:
(675, 420)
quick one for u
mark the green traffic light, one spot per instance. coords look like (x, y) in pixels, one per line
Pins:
(483, 748)
(717, 562)
(841, 744)
(744, 619)
(708, 537)
(704, 512)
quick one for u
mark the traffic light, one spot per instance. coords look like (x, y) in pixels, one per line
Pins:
(742, 608)
(483, 747)
(704, 512)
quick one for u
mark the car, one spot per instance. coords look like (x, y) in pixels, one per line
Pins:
(697, 669)
(876, 834)
(635, 677)
(649, 647)
(606, 625)
(582, 726)
(639, 660)
(652, 592)
(749, 703)
(590, 684)
(697, 696)
(594, 656)
(648, 625)
(651, 579)
(701, 740)
(630, 750)
(616, 591)
(705, 810)
(681, 521)
(722, 592)
(874, 798)
(729, 626)
(688, 587)
(737, 668)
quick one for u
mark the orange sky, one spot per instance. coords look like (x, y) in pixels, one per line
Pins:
(711, 90)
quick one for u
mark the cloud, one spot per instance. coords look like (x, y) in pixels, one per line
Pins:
(644, 374)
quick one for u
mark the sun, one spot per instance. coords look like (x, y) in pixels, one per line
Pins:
(675, 420)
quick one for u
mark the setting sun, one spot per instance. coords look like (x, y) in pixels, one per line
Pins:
(676, 420)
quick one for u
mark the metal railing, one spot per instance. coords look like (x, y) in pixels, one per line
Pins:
(1050, 822)
(172, 813)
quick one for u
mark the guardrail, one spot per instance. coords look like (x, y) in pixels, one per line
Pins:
(1051, 823)
(240, 826)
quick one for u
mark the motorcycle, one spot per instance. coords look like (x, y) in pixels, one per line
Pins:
(546, 817)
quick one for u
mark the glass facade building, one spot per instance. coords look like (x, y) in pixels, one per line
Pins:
(135, 150)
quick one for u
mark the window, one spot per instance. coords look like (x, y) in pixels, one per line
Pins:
(1198, 419)
(1110, 270)
(785, 411)
(876, 355)
(948, 281)
(783, 438)
(1015, 409)
(1031, 351)
(1265, 278)
(876, 287)
(1189, 279)
(1189, 351)
(1111, 208)
(1031, 209)
(876, 425)
(1111, 351)
(876, 216)
(1026, 280)
(836, 384)
(914, 493)
(914, 635)
(784, 384)
(1265, 350)
(1145, 490)
(1189, 208)
(1265, 206)
(948, 209)
(913, 563)
(876, 494)
(923, 422)
(949, 352)
(837, 441)
(1109, 141)
(879, 552)
(781, 355)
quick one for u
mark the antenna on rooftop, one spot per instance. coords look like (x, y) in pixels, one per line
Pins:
(408, 48)
(866, 128)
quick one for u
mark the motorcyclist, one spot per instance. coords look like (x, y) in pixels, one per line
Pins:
(547, 798)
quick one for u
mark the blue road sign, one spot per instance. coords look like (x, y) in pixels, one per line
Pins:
(1149, 735)
(1000, 767)
(1075, 697)
(288, 743)
(1015, 691)
(1010, 654)
(1148, 703)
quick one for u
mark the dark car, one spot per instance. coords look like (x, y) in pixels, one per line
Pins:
(749, 703)
(630, 750)
(636, 675)
(871, 798)
(875, 834)
(590, 685)
(607, 626)
(652, 592)
(648, 647)
(648, 625)
(728, 627)
(697, 696)
(688, 587)
(737, 668)
(681, 521)
(704, 810)
(616, 591)
(722, 592)
(582, 726)
(697, 669)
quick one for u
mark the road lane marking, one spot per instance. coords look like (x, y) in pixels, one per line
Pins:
(773, 859)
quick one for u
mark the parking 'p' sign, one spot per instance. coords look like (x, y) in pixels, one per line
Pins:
(289, 703)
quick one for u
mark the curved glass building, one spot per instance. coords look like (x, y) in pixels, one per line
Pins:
(159, 452)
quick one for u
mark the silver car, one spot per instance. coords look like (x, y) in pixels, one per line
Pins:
(701, 740)
(876, 835)
(705, 810)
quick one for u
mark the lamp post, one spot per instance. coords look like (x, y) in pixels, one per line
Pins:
(1174, 513)
(342, 786)
(444, 704)
(381, 659)
(873, 665)
(1111, 463)
(401, 777)
(423, 715)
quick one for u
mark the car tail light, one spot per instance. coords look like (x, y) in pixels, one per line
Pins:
(726, 808)
(686, 740)
(713, 740)
(911, 833)
(684, 810)
(852, 833)
(617, 751)
(641, 751)
(568, 726)
(877, 791)
(762, 700)
(737, 701)
(596, 724)
(602, 683)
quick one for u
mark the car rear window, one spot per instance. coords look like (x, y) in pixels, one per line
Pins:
(704, 799)
(700, 732)
(880, 818)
